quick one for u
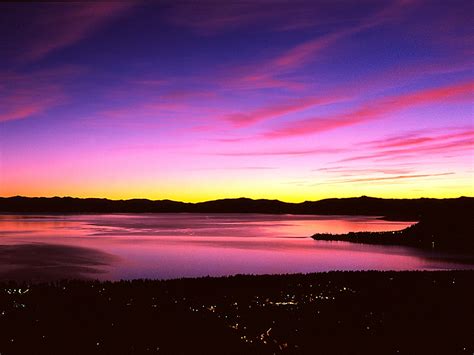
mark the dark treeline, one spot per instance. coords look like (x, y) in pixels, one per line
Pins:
(327, 313)
(392, 208)
(444, 230)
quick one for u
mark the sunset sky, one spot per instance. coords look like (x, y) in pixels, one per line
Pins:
(188, 101)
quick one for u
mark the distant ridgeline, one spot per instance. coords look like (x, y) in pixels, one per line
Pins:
(410, 209)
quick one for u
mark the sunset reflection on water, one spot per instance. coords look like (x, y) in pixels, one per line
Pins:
(186, 245)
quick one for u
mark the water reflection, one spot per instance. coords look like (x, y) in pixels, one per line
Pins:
(177, 245)
(46, 262)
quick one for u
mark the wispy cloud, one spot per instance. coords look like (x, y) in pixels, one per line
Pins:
(375, 84)
(385, 178)
(26, 104)
(373, 110)
(295, 152)
(306, 51)
(422, 150)
(412, 140)
(277, 110)
(214, 18)
(248, 78)
(344, 170)
(26, 95)
(55, 27)
(186, 94)
(147, 109)
(211, 17)
(239, 168)
(273, 72)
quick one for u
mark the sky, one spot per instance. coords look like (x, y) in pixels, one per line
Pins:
(194, 101)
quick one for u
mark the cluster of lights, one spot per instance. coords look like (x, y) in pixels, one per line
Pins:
(17, 291)
(264, 335)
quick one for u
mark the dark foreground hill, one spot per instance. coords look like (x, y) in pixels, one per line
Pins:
(328, 313)
(393, 208)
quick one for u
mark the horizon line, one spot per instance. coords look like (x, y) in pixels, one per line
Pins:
(238, 198)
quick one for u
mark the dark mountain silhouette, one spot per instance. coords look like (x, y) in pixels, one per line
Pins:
(412, 209)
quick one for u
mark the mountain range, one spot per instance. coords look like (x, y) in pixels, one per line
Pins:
(411, 209)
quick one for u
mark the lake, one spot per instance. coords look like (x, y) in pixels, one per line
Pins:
(129, 246)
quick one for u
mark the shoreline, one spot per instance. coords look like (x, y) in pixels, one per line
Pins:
(448, 232)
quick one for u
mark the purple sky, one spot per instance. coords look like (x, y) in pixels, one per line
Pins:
(264, 99)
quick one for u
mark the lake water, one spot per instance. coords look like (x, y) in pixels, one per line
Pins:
(128, 246)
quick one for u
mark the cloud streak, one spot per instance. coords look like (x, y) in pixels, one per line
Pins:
(26, 95)
(296, 152)
(386, 178)
(214, 18)
(342, 170)
(373, 110)
(277, 110)
(269, 73)
(457, 145)
(56, 27)
(403, 141)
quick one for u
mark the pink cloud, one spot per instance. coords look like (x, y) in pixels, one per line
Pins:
(387, 178)
(60, 26)
(358, 171)
(151, 82)
(267, 74)
(25, 105)
(391, 78)
(374, 110)
(146, 110)
(188, 94)
(457, 145)
(25, 95)
(306, 51)
(247, 78)
(410, 141)
(269, 112)
(209, 17)
(321, 124)
(295, 152)
(233, 140)
(172, 115)
(273, 72)
(239, 168)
